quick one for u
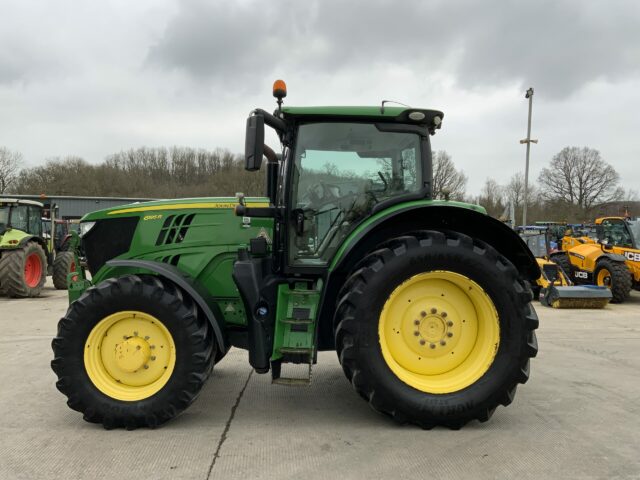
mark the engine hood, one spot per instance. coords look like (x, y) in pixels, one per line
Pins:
(153, 207)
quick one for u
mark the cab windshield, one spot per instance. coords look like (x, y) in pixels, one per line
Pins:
(617, 232)
(340, 172)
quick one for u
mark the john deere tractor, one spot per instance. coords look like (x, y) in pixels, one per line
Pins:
(425, 302)
(612, 259)
(26, 255)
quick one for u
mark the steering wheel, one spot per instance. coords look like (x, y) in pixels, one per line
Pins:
(321, 194)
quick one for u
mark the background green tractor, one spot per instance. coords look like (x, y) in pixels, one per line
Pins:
(26, 256)
(426, 302)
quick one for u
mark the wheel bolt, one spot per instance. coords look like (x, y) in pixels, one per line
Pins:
(444, 314)
(434, 310)
(146, 367)
(135, 334)
(416, 322)
(416, 333)
(449, 334)
(449, 323)
(153, 357)
(443, 343)
(423, 314)
(152, 346)
(433, 345)
(422, 342)
(137, 347)
(147, 337)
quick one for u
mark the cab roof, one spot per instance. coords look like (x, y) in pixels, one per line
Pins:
(419, 116)
(16, 201)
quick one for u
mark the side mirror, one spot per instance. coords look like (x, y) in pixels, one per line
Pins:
(254, 143)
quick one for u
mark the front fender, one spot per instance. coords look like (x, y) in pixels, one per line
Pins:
(185, 282)
(615, 257)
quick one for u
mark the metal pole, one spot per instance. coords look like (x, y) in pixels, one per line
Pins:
(528, 141)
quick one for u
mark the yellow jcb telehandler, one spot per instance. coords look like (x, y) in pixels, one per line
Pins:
(554, 288)
(611, 260)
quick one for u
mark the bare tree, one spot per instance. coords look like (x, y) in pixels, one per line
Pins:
(579, 176)
(446, 178)
(9, 166)
(492, 197)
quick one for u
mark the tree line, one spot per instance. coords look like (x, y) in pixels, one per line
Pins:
(141, 173)
(574, 183)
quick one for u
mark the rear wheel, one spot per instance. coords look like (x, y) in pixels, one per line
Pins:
(132, 352)
(63, 265)
(23, 271)
(436, 328)
(615, 276)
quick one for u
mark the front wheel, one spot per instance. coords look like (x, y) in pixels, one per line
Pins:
(132, 352)
(63, 265)
(436, 328)
(615, 276)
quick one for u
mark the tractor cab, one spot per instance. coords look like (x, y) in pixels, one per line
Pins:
(618, 231)
(339, 166)
(23, 215)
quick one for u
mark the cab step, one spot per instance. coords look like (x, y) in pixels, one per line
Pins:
(276, 370)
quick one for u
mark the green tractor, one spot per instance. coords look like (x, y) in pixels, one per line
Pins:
(426, 302)
(26, 256)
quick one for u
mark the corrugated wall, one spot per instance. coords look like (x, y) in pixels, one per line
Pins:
(76, 207)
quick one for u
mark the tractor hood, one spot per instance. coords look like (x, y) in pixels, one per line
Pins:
(181, 231)
(149, 208)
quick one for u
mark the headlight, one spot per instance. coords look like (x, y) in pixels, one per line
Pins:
(85, 227)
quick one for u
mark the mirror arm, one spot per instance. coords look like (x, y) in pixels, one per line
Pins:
(270, 120)
(270, 154)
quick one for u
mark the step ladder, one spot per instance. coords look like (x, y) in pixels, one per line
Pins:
(295, 332)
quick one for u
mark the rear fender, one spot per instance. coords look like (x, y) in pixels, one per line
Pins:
(424, 216)
(439, 217)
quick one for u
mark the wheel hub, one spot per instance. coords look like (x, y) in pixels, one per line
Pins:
(432, 329)
(132, 354)
(439, 331)
(129, 355)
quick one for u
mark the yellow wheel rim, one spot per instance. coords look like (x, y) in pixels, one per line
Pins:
(604, 278)
(129, 355)
(439, 332)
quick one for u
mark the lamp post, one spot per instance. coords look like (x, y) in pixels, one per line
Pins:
(528, 141)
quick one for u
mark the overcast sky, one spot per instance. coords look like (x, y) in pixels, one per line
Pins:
(93, 78)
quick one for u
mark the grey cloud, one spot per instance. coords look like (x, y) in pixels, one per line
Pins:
(558, 46)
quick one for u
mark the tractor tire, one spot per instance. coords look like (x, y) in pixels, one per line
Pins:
(562, 260)
(436, 329)
(614, 275)
(132, 352)
(63, 265)
(23, 271)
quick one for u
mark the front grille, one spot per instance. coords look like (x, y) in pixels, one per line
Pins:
(108, 239)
